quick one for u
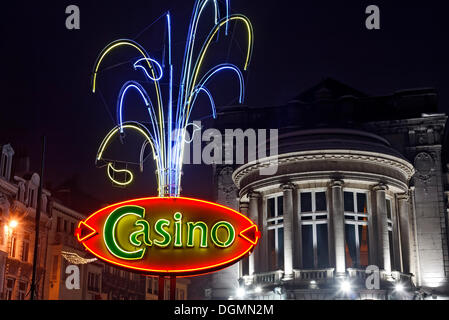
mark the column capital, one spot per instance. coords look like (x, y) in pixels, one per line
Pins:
(243, 204)
(403, 196)
(254, 195)
(337, 183)
(288, 186)
(380, 187)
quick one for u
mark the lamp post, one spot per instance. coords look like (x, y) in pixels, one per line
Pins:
(37, 221)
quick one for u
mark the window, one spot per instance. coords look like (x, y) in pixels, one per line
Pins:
(72, 228)
(356, 229)
(93, 282)
(150, 285)
(55, 267)
(58, 224)
(181, 295)
(65, 225)
(2, 232)
(22, 290)
(9, 288)
(26, 247)
(314, 229)
(390, 231)
(12, 250)
(275, 226)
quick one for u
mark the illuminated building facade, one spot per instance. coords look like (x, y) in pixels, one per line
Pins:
(58, 248)
(18, 200)
(360, 184)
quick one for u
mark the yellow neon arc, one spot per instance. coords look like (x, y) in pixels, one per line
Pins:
(111, 135)
(119, 43)
(203, 52)
(127, 182)
(192, 45)
(211, 37)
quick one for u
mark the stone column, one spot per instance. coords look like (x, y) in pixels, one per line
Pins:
(243, 208)
(382, 228)
(338, 222)
(288, 229)
(253, 214)
(405, 227)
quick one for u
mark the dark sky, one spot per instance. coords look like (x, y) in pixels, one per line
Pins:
(47, 68)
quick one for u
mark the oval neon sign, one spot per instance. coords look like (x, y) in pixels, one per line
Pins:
(168, 236)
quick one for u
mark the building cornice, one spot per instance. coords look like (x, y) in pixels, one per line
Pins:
(325, 177)
(398, 164)
(8, 186)
(63, 209)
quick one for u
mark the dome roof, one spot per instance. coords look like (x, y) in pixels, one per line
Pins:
(335, 139)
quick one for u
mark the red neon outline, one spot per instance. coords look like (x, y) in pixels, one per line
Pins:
(90, 235)
(194, 271)
(257, 234)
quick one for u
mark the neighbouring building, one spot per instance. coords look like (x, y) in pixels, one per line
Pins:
(60, 255)
(360, 182)
(153, 288)
(18, 200)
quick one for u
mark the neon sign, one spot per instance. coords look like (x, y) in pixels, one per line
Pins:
(168, 236)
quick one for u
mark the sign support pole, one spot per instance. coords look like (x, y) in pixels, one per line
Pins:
(161, 292)
(173, 288)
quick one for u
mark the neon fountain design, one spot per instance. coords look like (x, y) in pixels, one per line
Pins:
(167, 130)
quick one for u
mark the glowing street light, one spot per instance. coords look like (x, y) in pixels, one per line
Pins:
(241, 292)
(399, 287)
(345, 286)
(13, 224)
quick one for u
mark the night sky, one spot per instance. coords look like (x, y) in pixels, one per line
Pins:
(47, 69)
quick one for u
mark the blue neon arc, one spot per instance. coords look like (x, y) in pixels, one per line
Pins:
(137, 65)
(167, 127)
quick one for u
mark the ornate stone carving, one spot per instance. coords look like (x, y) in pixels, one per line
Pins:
(288, 186)
(380, 187)
(425, 165)
(336, 183)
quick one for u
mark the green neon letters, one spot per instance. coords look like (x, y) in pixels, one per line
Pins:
(128, 235)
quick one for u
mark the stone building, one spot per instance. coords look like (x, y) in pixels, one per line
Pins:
(18, 200)
(60, 255)
(359, 191)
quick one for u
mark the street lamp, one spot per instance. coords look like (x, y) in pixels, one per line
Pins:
(241, 292)
(399, 287)
(13, 224)
(10, 227)
(345, 286)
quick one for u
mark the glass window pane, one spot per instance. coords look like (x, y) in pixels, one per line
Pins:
(364, 250)
(349, 201)
(320, 198)
(361, 203)
(280, 248)
(389, 209)
(271, 249)
(322, 246)
(270, 207)
(280, 206)
(390, 240)
(306, 202)
(350, 246)
(307, 247)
